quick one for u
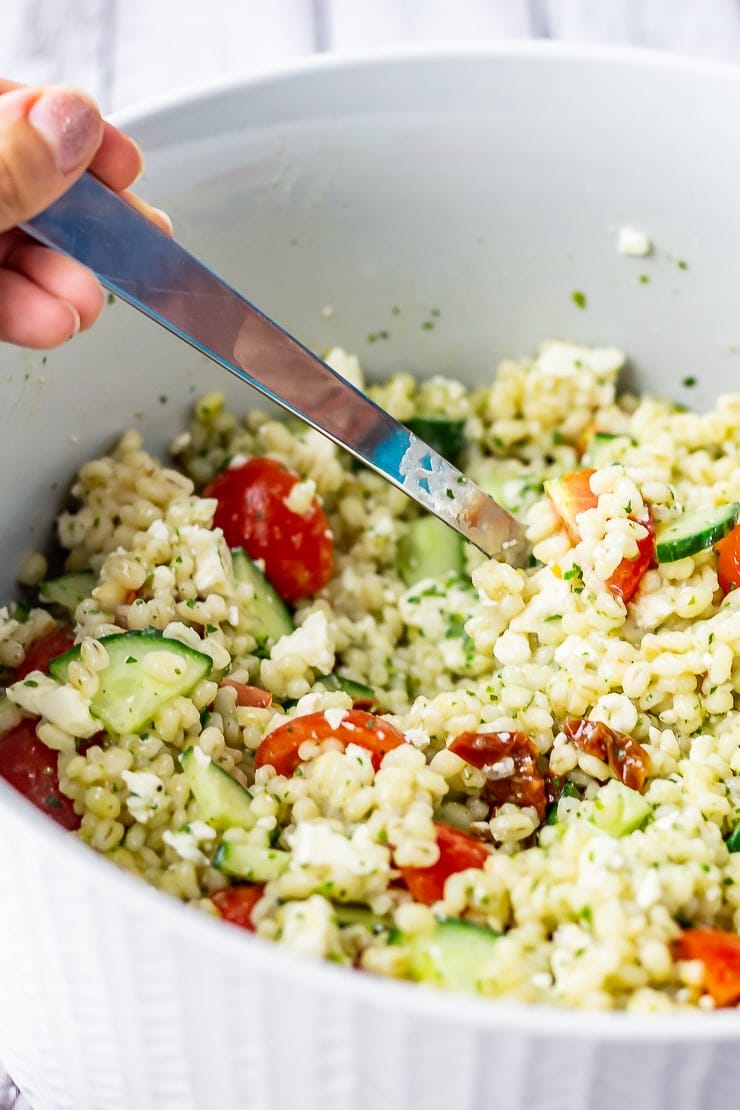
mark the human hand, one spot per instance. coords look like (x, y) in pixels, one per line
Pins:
(48, 138)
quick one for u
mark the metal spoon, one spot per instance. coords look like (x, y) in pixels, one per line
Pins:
(143, 266)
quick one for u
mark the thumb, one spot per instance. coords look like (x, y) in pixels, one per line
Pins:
(47, 139)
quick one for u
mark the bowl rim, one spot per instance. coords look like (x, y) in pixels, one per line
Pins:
(556, 51)
(267, 957)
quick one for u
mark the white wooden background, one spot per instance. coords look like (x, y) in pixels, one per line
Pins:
(126, 51)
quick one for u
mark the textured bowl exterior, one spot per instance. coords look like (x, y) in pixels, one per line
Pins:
(113, 997)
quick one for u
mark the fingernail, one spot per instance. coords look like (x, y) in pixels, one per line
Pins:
(76, 321)
(69, 125)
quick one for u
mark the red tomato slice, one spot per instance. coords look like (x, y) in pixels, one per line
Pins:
(297, 550)
(572, 494)
(32, 768)
(728, 562)
(720, 954)
(42, 651)
(236, 903)
(248, 695)
(525, 786)
(280, 748)
(457, 852)
(626, 579)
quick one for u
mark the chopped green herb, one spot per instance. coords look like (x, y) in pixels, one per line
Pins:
(578, 298)
(689, 382)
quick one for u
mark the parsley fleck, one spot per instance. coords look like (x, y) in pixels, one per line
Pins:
(579, 298)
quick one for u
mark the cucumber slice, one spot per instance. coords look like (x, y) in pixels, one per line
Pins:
(222, 801)
(440, 432)
(510, 483)
(246, 861)
(129, 693)
(429, 549)
(347, 914)
(452, 956)
(358, 691)
(68, 591)
(270, 616)
(10, 714)
(606, 448)
(618, 810)
(694, 532)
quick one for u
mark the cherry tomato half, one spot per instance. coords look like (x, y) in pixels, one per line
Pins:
(28, 765)
(297, 548)
(280, 748)
(572, 494)
(457, 852)
(236, 903)
(720, 954)
(728, 562)
(42, 651)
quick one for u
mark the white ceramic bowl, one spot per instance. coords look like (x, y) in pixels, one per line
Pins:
(486, 184)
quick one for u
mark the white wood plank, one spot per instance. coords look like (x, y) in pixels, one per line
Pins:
(710, 28)
(166, 45)
(357, 26)
(55, 42)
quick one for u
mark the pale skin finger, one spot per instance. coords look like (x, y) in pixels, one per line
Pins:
(47, 298)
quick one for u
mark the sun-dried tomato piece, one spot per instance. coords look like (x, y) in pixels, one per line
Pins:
(628, 760)
(509, 760)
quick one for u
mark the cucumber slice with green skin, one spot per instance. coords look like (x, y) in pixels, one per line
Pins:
(452, 956)
(222, 801)
(358, 691)
(67, 591)
(443, 434)
(429, 549)
(694, 532)
(131, 690)
(246, 861)
(606, 448)
(270, 616)
(617, 810)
